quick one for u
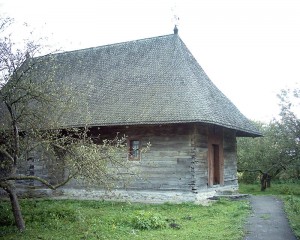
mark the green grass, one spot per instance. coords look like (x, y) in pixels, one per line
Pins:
(288, 192)
(71, 219)
(75, 219)
(277, 188)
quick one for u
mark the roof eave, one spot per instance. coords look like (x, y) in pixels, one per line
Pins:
(239, 132)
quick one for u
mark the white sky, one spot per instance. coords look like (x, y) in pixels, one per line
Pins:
(249, 48)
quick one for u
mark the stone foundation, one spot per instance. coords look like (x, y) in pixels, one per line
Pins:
(142, 196)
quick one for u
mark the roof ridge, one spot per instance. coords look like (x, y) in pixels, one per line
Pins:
(114, 44)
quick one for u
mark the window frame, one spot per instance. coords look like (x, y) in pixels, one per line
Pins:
(132, 157)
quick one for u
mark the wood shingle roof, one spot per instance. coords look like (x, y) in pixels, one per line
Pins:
(149, 81)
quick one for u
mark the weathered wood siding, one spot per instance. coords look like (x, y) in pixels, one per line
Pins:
(177, 159)
(201, 138)
(48, 167)
(199, 143)
(230, 158)
(168, 163)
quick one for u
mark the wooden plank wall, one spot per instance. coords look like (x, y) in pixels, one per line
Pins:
(201, 168)
(167, 165)
(177, 159)
(200, 156)
(48, 167)
(230, 158)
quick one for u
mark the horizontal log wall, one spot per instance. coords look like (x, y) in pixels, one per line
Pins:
(167, 165)
(230, 158)
(178, 156)
(48, 167)
(200, 143)
(200, 164)
(177, 159)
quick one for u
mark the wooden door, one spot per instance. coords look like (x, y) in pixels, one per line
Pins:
(216, 164)
(215, 158)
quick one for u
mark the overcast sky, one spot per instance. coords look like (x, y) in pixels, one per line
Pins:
(249, 48)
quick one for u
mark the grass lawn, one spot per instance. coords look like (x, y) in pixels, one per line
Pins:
(288, 192)
(74, 219)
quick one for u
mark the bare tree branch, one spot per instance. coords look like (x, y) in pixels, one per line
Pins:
(45, 182)
(9, 156)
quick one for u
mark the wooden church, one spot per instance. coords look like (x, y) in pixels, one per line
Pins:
(153, 90)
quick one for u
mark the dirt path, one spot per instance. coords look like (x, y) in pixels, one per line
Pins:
(268, 220)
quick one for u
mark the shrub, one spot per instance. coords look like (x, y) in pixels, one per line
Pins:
(147, 220)
(293, 204)
(248, 177)
(285, 190)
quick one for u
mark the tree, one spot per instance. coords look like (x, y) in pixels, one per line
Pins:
(278, 150)
(260, 155)
(289, 127)
(29, 110)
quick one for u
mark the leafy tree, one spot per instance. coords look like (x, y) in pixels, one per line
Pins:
(30, 108)
(277, 150)
(256, 155)
(289, 127)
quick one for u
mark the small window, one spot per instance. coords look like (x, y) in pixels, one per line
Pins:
(134, 149)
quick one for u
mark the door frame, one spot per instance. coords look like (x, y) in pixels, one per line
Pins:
(215, 138)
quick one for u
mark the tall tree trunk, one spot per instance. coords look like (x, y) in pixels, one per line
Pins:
(10, 186)
(265, 181)
(16, 209)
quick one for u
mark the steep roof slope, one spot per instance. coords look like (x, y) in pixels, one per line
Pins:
(148, 81)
